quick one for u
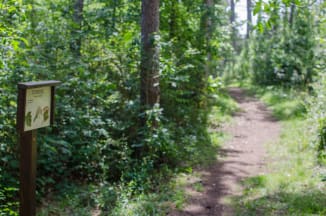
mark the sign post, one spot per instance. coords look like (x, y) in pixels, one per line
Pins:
(35, 110)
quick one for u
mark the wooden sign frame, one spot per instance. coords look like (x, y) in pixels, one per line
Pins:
(22, 103)
(27, 137)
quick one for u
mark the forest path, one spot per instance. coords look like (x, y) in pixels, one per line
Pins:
(242, 156)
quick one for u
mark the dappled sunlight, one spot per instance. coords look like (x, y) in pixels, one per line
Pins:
(164, 107)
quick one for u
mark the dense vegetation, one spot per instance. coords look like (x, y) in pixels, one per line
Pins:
(107, 138)
(288, 50)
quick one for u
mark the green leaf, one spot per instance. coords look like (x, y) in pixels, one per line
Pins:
(260, 27)
(24, 41)
(257, 7)
(286, 2)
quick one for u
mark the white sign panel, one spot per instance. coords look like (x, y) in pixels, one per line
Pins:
(38, 108)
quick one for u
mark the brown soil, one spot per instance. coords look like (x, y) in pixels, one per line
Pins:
(242, 156)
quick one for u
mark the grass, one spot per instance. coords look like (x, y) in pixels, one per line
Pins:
(285, 103)
(72, 200)
(198, 186)
(294, 185)
(89, 200)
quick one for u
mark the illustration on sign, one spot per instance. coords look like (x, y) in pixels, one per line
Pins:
(38, 108)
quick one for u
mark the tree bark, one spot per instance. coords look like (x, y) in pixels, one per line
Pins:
(232, 21)
(292, 11)
(208, 29)
(249, 18)
(232, 17)
(76, 42)
(149, 75)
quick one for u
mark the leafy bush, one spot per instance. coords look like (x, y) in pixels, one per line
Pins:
(317, 114)
(285, 53)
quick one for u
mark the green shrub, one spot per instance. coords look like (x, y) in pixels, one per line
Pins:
(317, 114)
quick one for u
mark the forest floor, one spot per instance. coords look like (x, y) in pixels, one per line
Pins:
(242, 156)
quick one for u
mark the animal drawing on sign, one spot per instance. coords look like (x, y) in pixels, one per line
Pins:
(28, 119)
(45, 113)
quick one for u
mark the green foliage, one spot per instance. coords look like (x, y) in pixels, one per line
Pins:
(8, 204)
(94, 144)
(317, 116)
(96, 135)
(317, 102)
(285, 103)
(81, 200)
(284, 51)
(11, 39)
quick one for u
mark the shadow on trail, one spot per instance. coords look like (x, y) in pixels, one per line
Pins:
(238, 95)
(267, 117)
(209, 203)
(242, 97)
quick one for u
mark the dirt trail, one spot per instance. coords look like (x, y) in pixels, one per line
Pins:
(242, 156)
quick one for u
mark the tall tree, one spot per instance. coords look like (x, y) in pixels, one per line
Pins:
(208, 30)
(292, 11)
(249, 18)
(76, 43)
(232, 15)
(149, 75)
(232, 21)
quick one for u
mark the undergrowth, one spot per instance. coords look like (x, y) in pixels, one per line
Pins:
(286, 103)
(160, 193)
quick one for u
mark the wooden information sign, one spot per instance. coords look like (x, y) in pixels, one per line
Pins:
(35, 110)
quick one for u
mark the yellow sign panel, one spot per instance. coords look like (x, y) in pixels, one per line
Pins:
(38, 108)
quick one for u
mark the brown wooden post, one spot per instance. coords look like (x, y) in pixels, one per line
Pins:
(27, 136)
(28, 155)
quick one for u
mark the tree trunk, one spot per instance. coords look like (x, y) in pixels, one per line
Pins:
(292, 11)
(232, 21)
(249, 18)
(76, 42)
(208, 29)
(232, 17)
(149, 75)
